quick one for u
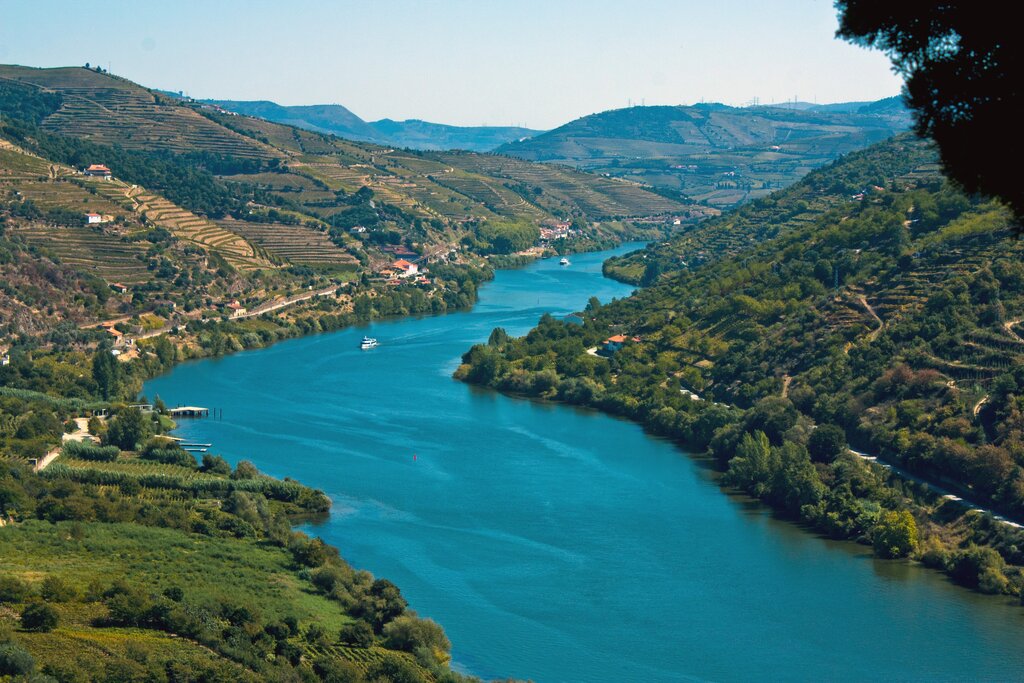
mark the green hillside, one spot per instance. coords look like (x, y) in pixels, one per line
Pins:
(712, 153)
(204, 207)
(870, 304)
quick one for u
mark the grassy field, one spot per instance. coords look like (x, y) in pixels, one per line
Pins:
(210, 571)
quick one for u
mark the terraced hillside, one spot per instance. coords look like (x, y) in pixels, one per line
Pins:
(455, 185)
(831, 191)
(111, 110)
(878, 307)
(287, 175)
(112, 257)
(714, 154)
(293, 243)
(188, 226)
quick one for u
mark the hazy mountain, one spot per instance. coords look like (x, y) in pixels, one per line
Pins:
(712, 152)
(417, 134)
(413, 134)
(322, 118)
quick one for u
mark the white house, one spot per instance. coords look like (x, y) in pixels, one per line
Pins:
(235, 309)
(405, 268)
(99, 171)
(91, 218)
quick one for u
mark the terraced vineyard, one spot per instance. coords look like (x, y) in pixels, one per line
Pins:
(116, 111)
(188, 226)
(561, 187)
(137, 467)
(71, 195)
(109, 256)
(293, 243)
(16, 164)
(362, 657)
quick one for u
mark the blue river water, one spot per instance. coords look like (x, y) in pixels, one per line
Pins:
(564, 545)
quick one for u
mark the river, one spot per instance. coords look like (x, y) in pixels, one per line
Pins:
(565, 545)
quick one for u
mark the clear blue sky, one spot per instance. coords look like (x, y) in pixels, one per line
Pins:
(468, 62)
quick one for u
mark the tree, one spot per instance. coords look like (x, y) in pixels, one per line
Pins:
(245, 470)
(356, 634)
(754, 465)
(13, 589)
(56, 589)
(895, 534)
(410, 633)
(499, 337)
(106, 372)
(391, 667)
(826, 443)
(334, 670)
(979, 567)
(384, 603)
(40, 617)
(215, 464)
(15, 661)
(963, 71)
(772, 415)
(127, 429)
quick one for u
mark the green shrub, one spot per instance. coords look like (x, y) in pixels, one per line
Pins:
(409, 633)
(56, 589)
(15, 661)
(356, 634)
(895, 534)
(13, 589)
(979, 567)
(38, 616)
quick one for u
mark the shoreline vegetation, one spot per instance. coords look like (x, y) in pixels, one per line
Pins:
(139, 478)
(755, 342)
(171, 529)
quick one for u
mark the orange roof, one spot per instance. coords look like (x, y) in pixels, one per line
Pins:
(617, 339)
(98, 167)
(402, 263)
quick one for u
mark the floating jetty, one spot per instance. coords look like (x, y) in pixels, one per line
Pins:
(189, 411)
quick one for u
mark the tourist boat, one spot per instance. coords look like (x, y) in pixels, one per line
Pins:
(368, 343)
(563, 262)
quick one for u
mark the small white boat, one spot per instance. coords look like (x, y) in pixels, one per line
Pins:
(368, 343)
(563, 262)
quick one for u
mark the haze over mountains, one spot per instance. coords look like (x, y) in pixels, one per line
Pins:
(711, 153)
(714, 153)
(413, 134)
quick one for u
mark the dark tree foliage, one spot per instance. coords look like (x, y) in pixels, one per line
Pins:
(40, 617)
(962, 66)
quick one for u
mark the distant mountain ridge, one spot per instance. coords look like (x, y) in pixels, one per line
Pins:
(715, 153)
(413, 133)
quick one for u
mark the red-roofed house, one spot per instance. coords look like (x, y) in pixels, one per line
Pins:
(91, 218)
(405, 268)
(235, 309)
(99, 171)
(614, 343)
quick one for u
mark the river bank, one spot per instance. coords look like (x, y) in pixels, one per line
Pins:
(568, 545)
